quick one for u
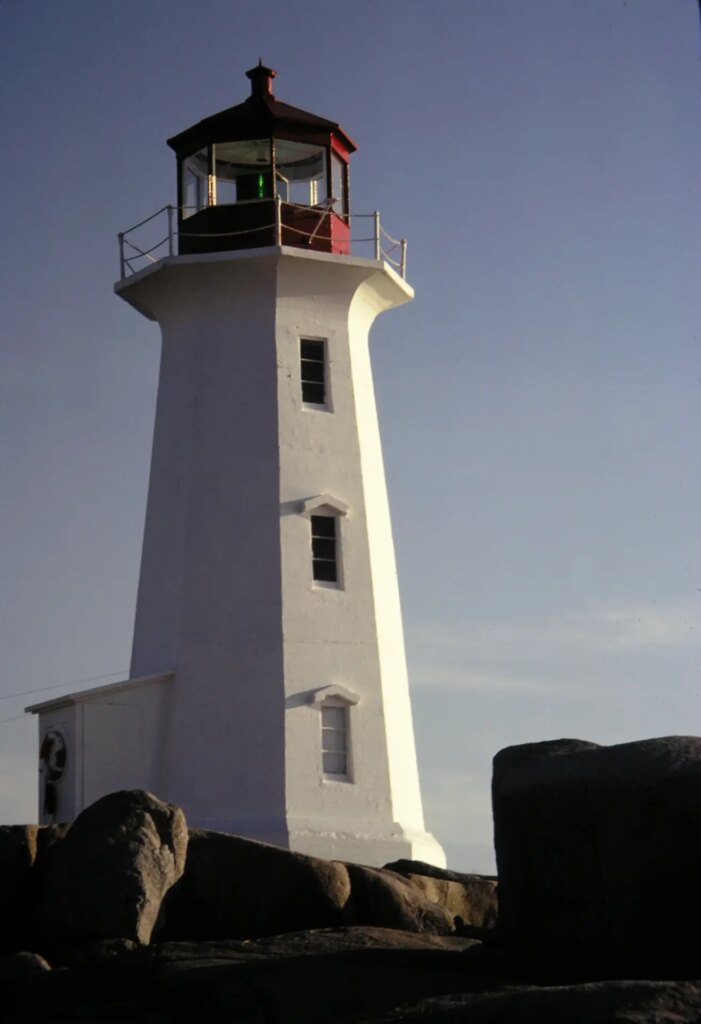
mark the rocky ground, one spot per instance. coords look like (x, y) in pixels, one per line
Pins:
(130, 917)
(348, 974)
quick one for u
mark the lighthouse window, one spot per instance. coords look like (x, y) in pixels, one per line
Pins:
(334, 739)
(195, 183)
(339, 171)
(300, 172)
(313, 371)
(324, 549)
(242, 171)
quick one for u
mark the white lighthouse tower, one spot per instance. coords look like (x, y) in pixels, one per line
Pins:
(268, 693)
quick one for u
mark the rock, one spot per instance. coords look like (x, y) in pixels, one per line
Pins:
(623, 1002)
(420, 867)
(25, 855)
(309, 942)
(339, 975)
(239, 888)
(49, 838)
(342, 975)
(18, 895)
(110, 873)
(474, 902)
(352, 938)
(92, 953)
(22, 965)
(384, 899)
(598, 851)
(473, 898)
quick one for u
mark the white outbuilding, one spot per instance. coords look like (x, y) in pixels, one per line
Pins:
(268, 692)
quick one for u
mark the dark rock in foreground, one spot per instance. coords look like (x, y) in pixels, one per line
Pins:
(110, 873)
(326, 976)
(18, 851)
(126, 869)
(388, 900)
(238, 888)
(471, 898)
(598, 851)
(604, 1002)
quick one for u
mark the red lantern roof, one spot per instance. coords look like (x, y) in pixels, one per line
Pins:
(260, 114)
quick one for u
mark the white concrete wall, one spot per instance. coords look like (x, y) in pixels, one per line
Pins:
(121, 739)
(209, 600)
(330, 634)
(404, 778)
(351, 635)
(112, 742)
(226, 596)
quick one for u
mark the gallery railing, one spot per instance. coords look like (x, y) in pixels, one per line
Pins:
(137, 247)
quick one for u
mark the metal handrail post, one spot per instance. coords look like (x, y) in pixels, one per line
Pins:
(327, 211)
(278, 220)
(171, 249)
(403, 260)
(120, 236)
(376, 218)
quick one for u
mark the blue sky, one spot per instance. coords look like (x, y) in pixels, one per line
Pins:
(539, 401)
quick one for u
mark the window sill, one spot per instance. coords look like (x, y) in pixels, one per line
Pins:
(326, 585)
(316, 407)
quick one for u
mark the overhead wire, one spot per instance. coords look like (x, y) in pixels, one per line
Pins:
(15, 718)
(60, 686)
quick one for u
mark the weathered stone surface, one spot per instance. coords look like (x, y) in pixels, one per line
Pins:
(420, 867)
(239, 888)
(22, 965)
(622, 1002)
(598, 851)
(473, 898)
(91, 953)
(308, 942)
(109, 874)
(331, 975)
(18, 896)
(25, 856)
(18, 850)
(49, 839)
(387, 900)
(342, 975)
(350, 938)
(473, 902)
(314, 977)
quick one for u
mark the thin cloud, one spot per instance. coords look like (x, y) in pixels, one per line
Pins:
(645, 628)
(593, 631)
(557, 656)
(433, 675)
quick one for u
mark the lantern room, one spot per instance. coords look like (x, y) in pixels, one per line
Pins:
(263, 173)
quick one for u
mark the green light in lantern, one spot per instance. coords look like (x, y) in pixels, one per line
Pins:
(261, 186)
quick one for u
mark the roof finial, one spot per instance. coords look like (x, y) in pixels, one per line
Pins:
(261, 79)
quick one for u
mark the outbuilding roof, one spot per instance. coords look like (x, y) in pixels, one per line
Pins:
(98, 691)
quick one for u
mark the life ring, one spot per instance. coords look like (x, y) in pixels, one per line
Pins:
(53, 758)
(53, 755)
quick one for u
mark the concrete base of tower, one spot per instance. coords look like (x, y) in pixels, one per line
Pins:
(367, 846)
(262, 830)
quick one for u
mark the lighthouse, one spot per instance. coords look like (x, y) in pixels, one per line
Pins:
(268, 692)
